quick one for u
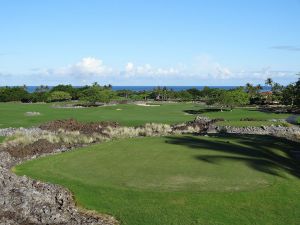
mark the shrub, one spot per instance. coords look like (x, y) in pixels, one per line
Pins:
(67, 88)
(58, 96)
(61, 136)
(96, 94)
(8, 94)
(39, 96)
(73, 138)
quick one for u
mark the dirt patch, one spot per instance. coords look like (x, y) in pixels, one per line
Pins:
(73, 125)
(37, 148)
(43, 145)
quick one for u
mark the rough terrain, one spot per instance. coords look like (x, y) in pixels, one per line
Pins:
(26, 201)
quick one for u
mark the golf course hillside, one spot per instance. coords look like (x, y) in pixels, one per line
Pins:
(181, 180)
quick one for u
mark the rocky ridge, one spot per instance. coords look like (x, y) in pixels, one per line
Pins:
(291, 133)
(24, 201)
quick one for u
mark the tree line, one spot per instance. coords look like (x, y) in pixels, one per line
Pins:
(245, 95)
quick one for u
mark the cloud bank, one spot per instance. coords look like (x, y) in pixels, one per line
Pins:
(203, 70)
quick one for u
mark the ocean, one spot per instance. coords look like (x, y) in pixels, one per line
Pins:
(149, 88)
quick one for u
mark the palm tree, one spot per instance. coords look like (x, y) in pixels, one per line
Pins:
(269, 82)
(248, 87)
(95, 84)
(42, 88)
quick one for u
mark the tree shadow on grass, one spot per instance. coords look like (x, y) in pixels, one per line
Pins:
(263, 153)
(205, 110)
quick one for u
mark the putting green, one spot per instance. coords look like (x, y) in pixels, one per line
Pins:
(181, 179)
(158, 164)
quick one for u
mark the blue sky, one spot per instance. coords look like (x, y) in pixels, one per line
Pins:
(135, 42)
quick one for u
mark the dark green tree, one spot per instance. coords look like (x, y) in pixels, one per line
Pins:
(97, 94)
(58, 96)
(67, 88)
(195, 93)
(231, 98)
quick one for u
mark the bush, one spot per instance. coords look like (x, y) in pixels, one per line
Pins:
(67, 88)
(95, 94)
(58, 96)
(39, 96)
(8, 94)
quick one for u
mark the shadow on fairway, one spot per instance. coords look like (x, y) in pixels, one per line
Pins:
(205, 110)
(262, 153)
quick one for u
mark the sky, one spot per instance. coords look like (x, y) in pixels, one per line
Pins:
(157, 42)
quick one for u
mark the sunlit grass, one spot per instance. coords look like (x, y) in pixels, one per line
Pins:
(181, 180)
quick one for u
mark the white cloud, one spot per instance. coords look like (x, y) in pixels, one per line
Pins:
(147, 70)
(262, 74)
(129, 67)
(204, 70)
(88, 66)
(205, 66)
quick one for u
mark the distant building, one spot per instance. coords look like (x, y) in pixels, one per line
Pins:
(266, 93)
(158, 97)
(266, 97)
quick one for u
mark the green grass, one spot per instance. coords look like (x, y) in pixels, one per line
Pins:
(2, 139)
(237, 114)
(13, 114)
(181, 180)
(233, 118)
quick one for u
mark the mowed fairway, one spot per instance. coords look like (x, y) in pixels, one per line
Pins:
(181, 180)
(233, 118)
(13, 114)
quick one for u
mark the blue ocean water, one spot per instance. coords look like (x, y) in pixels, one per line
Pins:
(149, 88)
